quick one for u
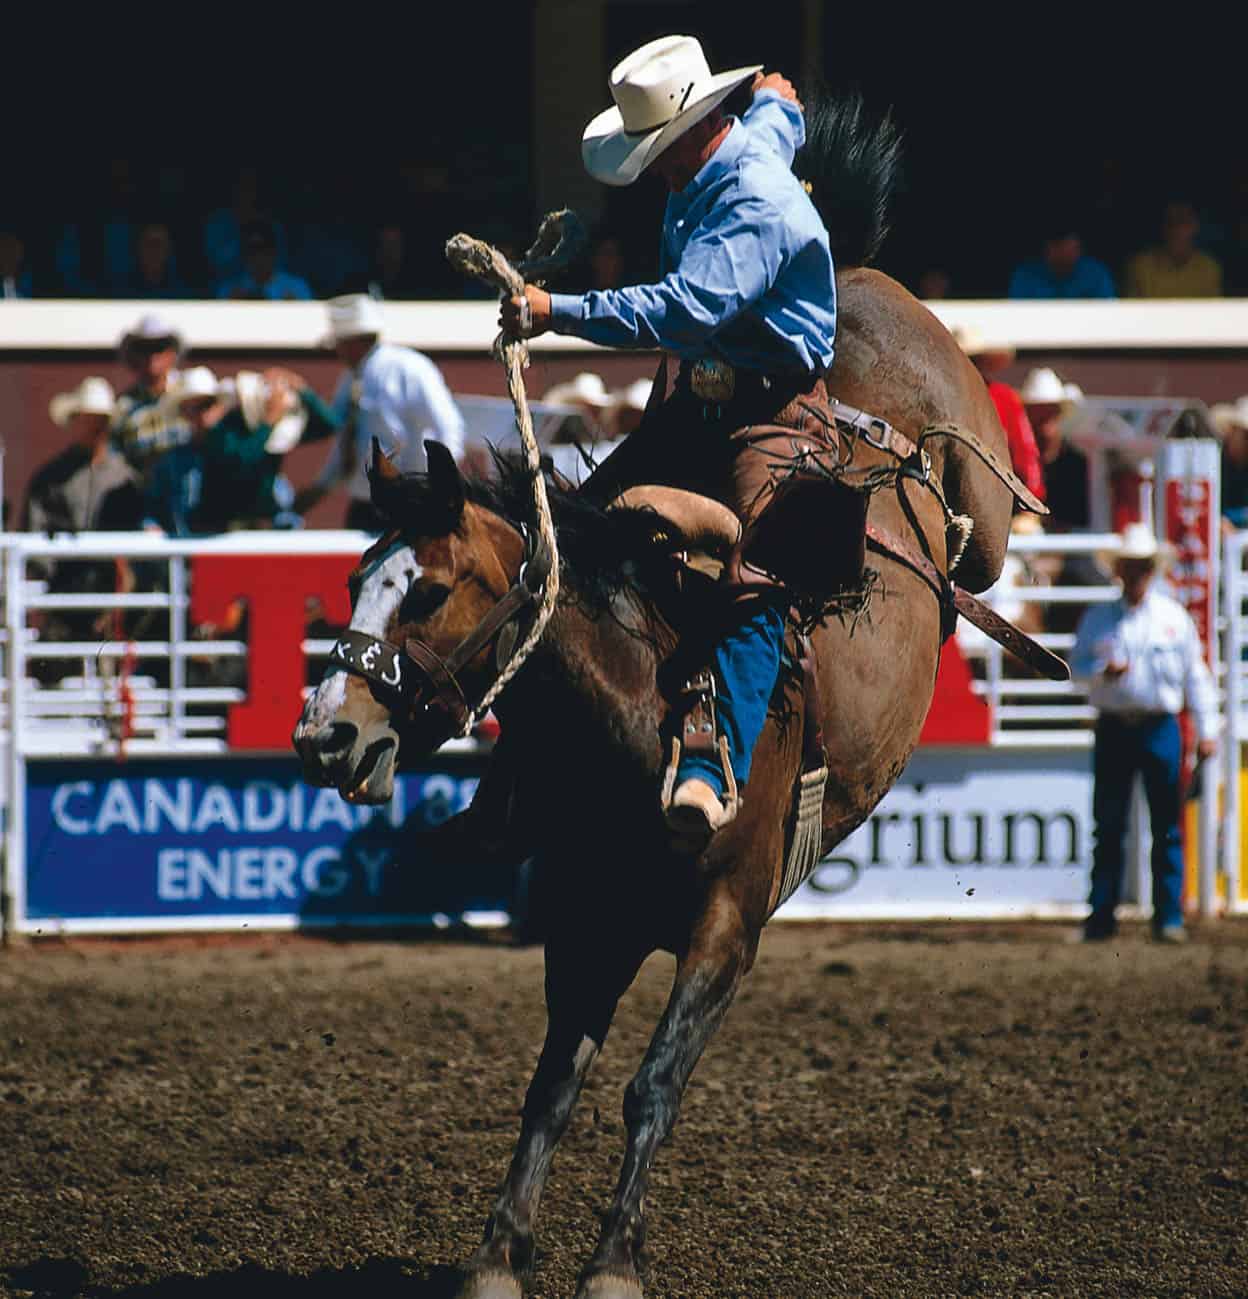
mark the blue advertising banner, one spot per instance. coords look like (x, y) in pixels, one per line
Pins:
(242, 837)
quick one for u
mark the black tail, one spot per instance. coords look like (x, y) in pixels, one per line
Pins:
(850, 161)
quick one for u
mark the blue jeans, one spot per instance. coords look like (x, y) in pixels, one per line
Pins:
(746, 665)
(1152, 748)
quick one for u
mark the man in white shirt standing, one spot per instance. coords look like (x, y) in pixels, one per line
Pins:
(394, 394)
(1143, 659)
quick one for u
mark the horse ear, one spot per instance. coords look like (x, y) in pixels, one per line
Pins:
(446, 483)
(382, 468)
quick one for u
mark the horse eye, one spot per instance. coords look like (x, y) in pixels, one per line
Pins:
(423, 602)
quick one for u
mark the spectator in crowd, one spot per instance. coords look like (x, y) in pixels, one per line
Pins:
(990, 359)
(1231, 422)
(390, 393)
(628, 405)
(583, 438)
(15, 277)
(587, 395)
(1046, 403)
(174, 493)
(1063, 270)
(1176, 268)
(87, 487)
(228, 474)
(144, 425)
(1233, 246)
(392, 273)
(99, 255)
(261, 279)
(154, 275)
(223, 229)
(1142, 658)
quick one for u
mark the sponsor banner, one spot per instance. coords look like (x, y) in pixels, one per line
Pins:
(241, 837)
(965, 833)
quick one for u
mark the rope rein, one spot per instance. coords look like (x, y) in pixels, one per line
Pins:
(560, 238)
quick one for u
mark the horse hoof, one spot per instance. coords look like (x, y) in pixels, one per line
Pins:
(607, 1285)
(494, 1284)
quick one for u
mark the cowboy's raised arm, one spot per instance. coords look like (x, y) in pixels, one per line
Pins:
(730, 261)
(776, 115)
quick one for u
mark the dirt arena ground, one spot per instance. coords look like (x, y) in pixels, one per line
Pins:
(887, 1111)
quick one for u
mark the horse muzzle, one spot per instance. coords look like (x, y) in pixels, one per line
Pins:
(359, 762)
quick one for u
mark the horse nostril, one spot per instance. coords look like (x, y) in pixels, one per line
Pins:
(338, 739)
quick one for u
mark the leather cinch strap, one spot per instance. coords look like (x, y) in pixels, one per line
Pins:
(1039, 659)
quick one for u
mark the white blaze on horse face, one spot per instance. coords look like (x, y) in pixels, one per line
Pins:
(383, 585)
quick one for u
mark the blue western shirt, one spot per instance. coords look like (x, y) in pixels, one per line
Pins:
(747, 274)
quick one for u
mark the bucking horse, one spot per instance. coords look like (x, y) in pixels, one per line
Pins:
(912, 505)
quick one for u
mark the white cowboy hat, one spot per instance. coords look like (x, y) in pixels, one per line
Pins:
(660, 91)
(1138, 542)
(1043, 388)
(1073, 393)
(353, 315)
(1226, 416)
(636, 396)
(199, 381)
(93, 396)
(251, 394)
(587, 389)
(151, 328)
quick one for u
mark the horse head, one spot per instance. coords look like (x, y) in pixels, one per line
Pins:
(408, 671)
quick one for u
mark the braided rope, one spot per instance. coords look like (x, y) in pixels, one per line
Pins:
(559, 239)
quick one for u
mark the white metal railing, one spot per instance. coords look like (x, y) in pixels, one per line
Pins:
(81, 713)
(141, 682)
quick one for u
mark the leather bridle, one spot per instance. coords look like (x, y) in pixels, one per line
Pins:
(425, 686)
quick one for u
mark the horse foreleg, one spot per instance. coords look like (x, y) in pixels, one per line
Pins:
(581, 996)
(707, 978)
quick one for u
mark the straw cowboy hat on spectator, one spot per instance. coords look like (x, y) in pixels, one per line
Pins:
(150, 333)
(251, 394)
(636, 396)
(1139, 543)
(587, 389)
(660, 91)
(354, 315)
(1229, 416)
(1043, 388)
(93, 396)
(195, 384)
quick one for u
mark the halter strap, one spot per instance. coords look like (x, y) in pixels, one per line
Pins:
(403, 675)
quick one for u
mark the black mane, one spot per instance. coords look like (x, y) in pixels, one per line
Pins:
(603, 552)
(851, 162)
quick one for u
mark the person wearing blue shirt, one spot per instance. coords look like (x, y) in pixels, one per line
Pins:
(746, 300)
(1063, 270)
(1142, 659)
(262, 279)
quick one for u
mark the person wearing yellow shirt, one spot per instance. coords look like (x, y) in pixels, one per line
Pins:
(1176, 268)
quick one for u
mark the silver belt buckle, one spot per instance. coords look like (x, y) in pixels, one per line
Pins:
(713, 380)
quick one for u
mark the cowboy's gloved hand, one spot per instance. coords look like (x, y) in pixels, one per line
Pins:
(779, 83)
(511, 313)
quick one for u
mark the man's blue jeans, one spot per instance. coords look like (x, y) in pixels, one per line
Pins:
(1153, 748)
(746, 665)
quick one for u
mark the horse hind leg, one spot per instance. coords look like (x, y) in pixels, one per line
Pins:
(582, 991)
(707, 978)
